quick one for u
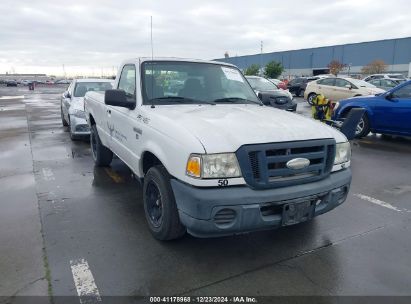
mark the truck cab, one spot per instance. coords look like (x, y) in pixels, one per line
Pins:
(212, 158)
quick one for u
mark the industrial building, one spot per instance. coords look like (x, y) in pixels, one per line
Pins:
(396, 53)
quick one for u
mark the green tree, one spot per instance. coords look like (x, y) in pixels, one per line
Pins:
(252, 70)
(273, 69)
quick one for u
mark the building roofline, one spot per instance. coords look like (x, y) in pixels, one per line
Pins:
(318, 47)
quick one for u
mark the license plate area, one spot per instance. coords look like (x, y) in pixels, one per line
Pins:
(298, 212)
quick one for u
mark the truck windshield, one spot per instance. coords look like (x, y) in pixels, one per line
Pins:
(175, 82)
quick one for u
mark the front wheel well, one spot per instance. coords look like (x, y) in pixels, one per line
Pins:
(149, 160)
(92, 121)
(346, 110)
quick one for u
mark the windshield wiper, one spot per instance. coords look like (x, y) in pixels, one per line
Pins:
(235, 100)
(181, 100)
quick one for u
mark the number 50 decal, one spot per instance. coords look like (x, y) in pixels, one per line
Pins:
(223, 182)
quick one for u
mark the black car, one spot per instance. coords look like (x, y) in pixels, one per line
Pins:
(11, 83)
(298, 85)
(271, 95)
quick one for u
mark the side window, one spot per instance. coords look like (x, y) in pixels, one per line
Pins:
(326, 81)
(127, 81)
(388, 83)
(404, 92)
(341, 83)
(375, 82)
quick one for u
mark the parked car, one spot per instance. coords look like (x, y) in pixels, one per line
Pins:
(298, 85)
(212, 160)
(386, 113)
(62, 81)
(271, 95)
(278, 83)
(72, 104)
(385, 83)
(337, 88)
(11, 83)
(380, 76)
(25, 82)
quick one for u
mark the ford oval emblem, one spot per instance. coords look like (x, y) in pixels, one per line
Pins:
(298, 163)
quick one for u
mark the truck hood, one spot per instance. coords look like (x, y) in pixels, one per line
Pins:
(225, 128)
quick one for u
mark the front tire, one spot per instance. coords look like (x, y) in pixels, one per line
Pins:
(101, 154)
(363, 127)
(159, 205)
(63, 120)
(310, 98)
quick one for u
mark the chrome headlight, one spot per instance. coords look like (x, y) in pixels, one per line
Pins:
(342, 153)
(79, 114)
(222, 165)
(336, 105)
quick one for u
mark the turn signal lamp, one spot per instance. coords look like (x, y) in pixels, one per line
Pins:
(194, 166)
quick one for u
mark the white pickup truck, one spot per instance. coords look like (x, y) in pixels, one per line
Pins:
(212, 159)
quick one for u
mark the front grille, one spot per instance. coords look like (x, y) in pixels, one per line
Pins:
(265, 165)
(281, 100)
(224, 217)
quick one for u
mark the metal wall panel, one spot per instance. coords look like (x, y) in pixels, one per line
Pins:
(392, 51)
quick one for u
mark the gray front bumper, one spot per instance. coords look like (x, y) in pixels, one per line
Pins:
(198, 206)
(79, 126)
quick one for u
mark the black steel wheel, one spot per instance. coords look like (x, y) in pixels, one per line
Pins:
(160, 206)
(101, 154)
(154, 204)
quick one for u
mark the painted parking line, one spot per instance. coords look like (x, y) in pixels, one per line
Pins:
(114, 176)
(83, 279)
(12, 97)
(377, 202)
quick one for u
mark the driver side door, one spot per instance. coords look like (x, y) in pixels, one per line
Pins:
(393, 113)
(120, 120)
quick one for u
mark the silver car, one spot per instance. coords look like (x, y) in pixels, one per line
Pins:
(72, 104)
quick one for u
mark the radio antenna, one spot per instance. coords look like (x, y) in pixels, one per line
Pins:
(151, 32)
(152, 57)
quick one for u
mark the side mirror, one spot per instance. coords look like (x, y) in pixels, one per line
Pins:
(67, 95)
(389, 96)
(348, 86)
(118, 98)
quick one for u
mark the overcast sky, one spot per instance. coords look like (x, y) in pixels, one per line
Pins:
(91, 36)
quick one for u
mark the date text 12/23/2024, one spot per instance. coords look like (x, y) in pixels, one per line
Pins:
(203, 299)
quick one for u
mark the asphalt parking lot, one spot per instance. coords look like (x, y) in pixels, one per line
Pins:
(59, 212)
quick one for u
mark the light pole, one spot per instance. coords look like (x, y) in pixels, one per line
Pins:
(261, 58)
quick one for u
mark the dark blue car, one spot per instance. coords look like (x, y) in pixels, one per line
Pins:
(388, 113)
